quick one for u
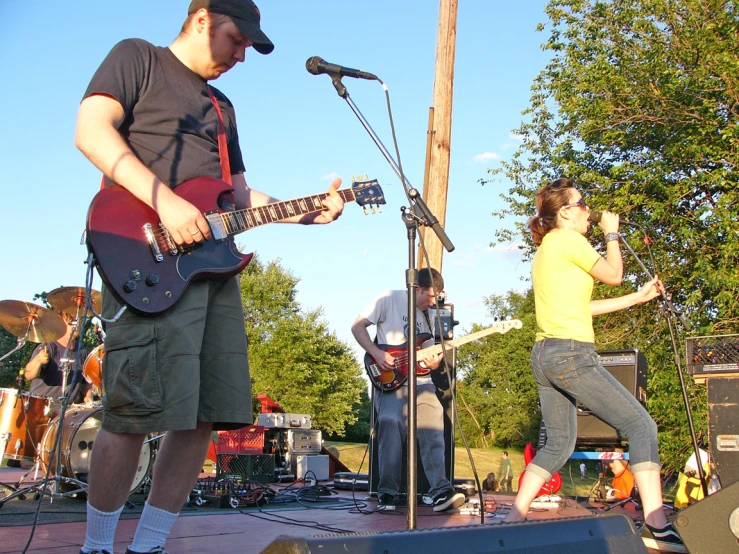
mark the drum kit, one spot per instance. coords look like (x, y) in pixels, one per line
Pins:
(37, 431)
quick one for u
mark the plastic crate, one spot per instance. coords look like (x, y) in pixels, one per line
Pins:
(259, 468)
(248, 440)
(712, 354)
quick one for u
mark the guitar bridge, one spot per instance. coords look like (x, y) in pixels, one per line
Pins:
(153, 243)
(165, 240)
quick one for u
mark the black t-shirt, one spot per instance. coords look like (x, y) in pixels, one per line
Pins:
(170, 121)
(50, 378)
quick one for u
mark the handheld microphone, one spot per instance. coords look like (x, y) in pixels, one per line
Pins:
(317, 66)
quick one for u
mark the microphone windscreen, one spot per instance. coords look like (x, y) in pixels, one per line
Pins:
(594, 216)
(311, 64)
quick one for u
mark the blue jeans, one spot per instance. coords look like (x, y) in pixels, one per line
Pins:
(391, 410)
(567, 370)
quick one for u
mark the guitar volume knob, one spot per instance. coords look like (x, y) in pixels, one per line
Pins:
(152, 279)
(130, 286)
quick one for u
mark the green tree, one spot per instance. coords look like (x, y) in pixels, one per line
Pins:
(496, 395)
(294, 358)
(639, 106)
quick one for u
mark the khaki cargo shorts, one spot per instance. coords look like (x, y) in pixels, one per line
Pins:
(188, 364)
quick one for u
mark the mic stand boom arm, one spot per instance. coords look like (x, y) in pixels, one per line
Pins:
(668, 309)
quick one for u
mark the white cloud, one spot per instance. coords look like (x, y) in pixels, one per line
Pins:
(330, 176)
(516, 136)
(485, 156)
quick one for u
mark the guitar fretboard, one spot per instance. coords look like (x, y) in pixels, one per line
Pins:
(242, 220)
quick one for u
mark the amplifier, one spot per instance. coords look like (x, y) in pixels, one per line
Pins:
(284, 421)
(629, 367)
(302, 441)
(717, 354)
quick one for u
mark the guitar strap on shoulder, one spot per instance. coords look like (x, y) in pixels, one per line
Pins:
(222, 140)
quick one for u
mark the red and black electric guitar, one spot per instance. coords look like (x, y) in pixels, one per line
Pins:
(555, 481)
(145, 269)
(390, 380)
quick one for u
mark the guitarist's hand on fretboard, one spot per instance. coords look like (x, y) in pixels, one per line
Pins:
(182, 219)
(431, 360)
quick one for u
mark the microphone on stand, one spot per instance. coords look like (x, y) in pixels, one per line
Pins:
(595, 216)
(318, 66)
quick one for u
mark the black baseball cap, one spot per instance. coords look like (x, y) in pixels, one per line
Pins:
(244, 14)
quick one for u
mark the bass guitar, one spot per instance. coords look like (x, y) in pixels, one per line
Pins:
(555, 482)
(390, 380)
(146, 270)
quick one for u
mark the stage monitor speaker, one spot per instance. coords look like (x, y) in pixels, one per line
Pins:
(723, 427)
(603, 534)
(629, 367)
(444, 391)
(711, 526)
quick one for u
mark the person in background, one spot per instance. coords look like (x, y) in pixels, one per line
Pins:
(507, 472)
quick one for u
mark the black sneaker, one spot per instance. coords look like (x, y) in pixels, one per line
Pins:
(157, 550)
(95, 552)
(662, 540)
(386, 503)
(448, 500)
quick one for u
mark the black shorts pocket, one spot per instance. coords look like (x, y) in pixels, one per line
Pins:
(131, 370)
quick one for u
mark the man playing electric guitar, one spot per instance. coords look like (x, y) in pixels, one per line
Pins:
(150, 121)
(389, 312)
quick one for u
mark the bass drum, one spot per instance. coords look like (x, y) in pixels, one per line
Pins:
(81, 427)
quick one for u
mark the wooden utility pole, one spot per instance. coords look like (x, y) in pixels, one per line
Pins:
(436, 178)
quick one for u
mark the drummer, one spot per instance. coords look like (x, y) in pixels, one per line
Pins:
(44, 371)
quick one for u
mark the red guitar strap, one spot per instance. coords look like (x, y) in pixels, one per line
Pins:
(222, 141)
(222, 144)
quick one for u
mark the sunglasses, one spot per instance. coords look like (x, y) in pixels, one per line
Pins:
(580, 203)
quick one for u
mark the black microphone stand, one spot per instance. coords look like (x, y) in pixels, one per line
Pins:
(671, 313)
(418, 214)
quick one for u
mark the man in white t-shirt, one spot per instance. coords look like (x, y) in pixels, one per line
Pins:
(389, 313)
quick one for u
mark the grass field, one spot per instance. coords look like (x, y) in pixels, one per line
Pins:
(486, 461)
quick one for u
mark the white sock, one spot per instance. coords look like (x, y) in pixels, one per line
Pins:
(100, 529)
(153, 530)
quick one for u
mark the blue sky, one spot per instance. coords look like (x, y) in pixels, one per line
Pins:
(296, 135)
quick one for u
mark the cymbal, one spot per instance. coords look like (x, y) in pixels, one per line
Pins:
(45, 325)
(66, 299)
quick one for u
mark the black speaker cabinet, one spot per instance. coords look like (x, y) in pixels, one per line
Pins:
(711, 526)
(445, 392)
(603, 534)
(629, 367)
(723, 427)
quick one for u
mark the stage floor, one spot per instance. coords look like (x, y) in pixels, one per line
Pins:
(207, 529)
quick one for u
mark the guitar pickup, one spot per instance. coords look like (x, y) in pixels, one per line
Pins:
(374, 370)
(217, 226)
(153, 244)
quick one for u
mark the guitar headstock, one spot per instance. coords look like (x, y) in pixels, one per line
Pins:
(368, 193)
(507, 324)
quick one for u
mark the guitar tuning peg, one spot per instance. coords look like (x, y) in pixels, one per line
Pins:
(372, 209)
(379, 208)
(365, 210)
(353, 179)
(366, 178)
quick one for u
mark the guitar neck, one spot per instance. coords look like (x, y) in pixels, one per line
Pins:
(239, 221)
(462, 340)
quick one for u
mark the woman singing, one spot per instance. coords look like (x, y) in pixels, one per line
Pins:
(565, 365)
